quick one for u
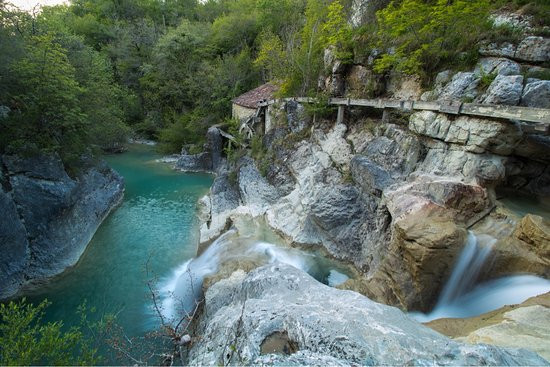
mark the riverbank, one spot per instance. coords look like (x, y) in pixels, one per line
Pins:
(49, 217)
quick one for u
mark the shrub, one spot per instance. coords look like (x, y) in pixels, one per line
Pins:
(420, 36)
(26, 340)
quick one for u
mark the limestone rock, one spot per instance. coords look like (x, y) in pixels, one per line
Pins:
(533, 49)
(536, 94)
(362, 81)
(364, 11)
(396, 150)
(535, 231)
(325, 324)
(14, 247)
(498, 66)
(428, 215)
(339, 212)
(524, 327)
(463, 85)
(214, 145)
(334, 144)
(369, 176)
(505, 49)
(505, 89)
(296, 116)
(201, 162)
(224, 198)
(55, 216)
(404, 87)
(254, 189)
(476, 135)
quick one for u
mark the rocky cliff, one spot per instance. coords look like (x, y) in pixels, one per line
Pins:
(394, 194)
(49, 217)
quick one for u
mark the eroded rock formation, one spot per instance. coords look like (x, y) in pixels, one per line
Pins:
(49, 217)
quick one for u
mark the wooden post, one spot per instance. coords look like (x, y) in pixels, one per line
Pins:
(340, 118)
(386, 115)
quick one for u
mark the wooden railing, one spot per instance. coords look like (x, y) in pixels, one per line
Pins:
(533, 120)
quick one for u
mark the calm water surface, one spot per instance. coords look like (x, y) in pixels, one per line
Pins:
(155, 222)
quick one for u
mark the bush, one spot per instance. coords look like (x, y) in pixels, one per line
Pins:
(421, 37)
(188, 129)
(26, 340)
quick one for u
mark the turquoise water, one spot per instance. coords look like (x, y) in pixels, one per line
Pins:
(156, 223)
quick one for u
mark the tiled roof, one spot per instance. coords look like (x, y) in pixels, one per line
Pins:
(251, 98)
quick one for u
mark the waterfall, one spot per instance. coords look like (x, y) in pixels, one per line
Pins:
(180, 292)
(462, 297)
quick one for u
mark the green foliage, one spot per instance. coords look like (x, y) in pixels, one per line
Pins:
(187, 130)
(321, 107)
(422, 36)
(263, 157)
(543, 74)
(337, 32)
(26, 340)
(485, 80)
(61, 92)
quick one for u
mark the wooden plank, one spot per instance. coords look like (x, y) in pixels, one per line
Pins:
(428, 106)
(528, 114)
(508, 112)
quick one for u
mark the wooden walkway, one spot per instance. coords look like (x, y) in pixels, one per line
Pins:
(533, 120)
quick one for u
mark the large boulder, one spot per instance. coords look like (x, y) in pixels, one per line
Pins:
(505, 89)
(278, 314)
(201, 162)
(536, 94)
(533, 49)
(498, 66)
(429, 216)
(370, 176)
(462, 86)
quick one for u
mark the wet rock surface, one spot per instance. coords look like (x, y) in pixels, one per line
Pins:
(514, 325)
(243, 311)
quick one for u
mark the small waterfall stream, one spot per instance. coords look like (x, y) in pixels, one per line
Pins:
(181, 291)
(462, 297)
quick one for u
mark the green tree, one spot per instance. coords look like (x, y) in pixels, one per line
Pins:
(337, 32)
(420, 36)
(46, 113)
(26, 340)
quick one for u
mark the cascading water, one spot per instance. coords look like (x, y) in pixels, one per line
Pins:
(181, 291)
(461, 297)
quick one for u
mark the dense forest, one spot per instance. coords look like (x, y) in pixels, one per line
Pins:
(83, 77)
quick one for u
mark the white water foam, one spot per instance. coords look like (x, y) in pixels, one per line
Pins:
(296, 259)
(462, 298)
(180, 291)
